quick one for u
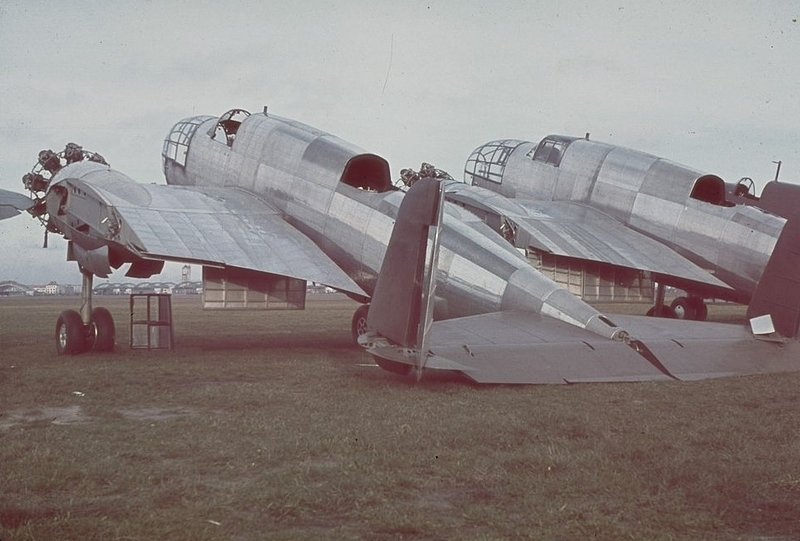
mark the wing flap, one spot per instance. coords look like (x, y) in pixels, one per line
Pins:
(574, 230)
(570, 229)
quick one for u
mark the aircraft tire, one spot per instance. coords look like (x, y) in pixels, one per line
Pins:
(665, 312)
(359, 323)
(684, 308)
(103, 332)
(70, 333)
(393, 366)
(700, 308)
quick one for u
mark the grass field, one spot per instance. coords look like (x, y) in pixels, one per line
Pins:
(272, 426)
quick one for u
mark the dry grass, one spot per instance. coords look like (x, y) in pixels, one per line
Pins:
(271, 426)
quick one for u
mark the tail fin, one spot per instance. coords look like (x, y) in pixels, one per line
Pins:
(778, 291)
(402, 304)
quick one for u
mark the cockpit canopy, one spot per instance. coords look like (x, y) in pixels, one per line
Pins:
(550, 149)
(228, 124)
(367, 172)
(710, 189)
(488, 161)
(176, 144)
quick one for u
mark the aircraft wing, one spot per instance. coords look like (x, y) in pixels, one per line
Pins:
(209, 226)
(515, 347)
(573, 230)
(12, 203)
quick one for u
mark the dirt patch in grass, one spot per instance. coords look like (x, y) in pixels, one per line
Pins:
(157, 414)
(64, 415)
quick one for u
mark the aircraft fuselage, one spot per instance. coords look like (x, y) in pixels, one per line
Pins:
(343, 199)
(683, 208)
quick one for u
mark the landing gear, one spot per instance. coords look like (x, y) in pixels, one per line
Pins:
(88, 330)
(683, 308)
(692, 308)
(359, 327)
(393, 366)
(70, 333)
(102, 330)
(660, 309)
(359, 323)
(700, 308)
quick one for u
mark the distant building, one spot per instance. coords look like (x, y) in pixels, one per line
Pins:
(104, 289)
(108, 288)
(188, 288)
(10, 288)
(69, 289)
(47, 289)
(153, 287)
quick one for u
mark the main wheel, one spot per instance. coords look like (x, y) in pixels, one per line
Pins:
(70, 333)
(684, 308)
(102, 330)
(700, 308)
(359, 323)
(665, 312)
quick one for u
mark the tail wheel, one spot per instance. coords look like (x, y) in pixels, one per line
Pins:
(359, 323)
(102, 330)
(70, 333)
(393, 366)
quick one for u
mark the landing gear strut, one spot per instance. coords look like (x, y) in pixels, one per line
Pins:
(660, 309)
(91, 329)
(691, 308)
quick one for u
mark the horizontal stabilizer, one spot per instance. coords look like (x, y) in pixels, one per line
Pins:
(525, 348)
(693, 350)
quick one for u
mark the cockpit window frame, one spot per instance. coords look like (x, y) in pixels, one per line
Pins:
(176, 144)
(550, 150)
(224, 131)
(488, 162)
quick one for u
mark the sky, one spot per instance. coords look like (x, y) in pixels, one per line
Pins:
(710, 84)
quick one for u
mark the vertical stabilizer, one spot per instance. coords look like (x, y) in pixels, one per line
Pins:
(778, 291)
(402, 303)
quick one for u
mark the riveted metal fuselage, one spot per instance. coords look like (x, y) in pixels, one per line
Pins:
(683, 208)
(313, 178)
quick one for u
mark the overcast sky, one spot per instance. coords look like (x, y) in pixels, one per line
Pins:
(710, 84)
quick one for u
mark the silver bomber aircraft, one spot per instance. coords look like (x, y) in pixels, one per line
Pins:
(593, 202)
(266, 203)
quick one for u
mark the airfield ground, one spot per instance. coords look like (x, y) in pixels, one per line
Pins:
(272, 426)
